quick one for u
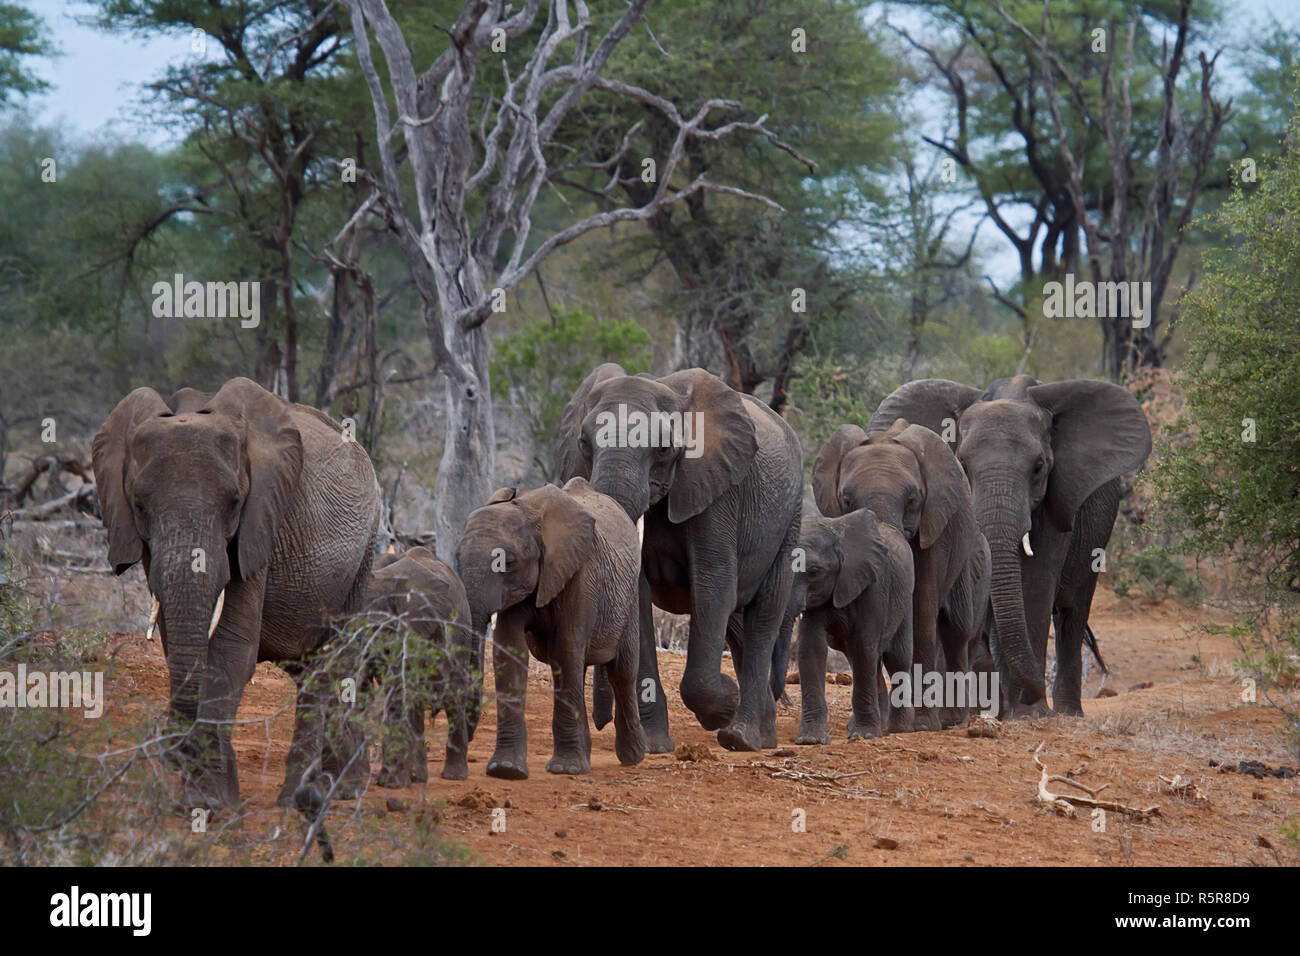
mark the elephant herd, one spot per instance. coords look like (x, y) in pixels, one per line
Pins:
(950, 534)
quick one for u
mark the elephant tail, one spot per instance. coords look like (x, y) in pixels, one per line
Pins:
(1090, 639)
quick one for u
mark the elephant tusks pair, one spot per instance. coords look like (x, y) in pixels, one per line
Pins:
(1024, 543)
(155, 608)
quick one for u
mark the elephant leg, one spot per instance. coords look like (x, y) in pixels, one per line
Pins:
(510, 663)
(570, 732)
(405, 757)
(864, 657)
(954, 646)
(1040, 590)
(602, 696)
(925, 642)
(898, 659)
(650, 690)
(814, 722)
(711, 695)
(629, 738)
(736, 644)
(461, 696)
(754, 724)
(1093, 526)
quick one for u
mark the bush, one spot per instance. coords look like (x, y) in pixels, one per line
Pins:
(1232, 484)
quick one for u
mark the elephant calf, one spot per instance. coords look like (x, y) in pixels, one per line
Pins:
(417, 589)
(855, 588)
(560, 569)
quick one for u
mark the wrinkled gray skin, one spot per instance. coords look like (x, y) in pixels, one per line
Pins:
(559, 569)
(284, 508)
(1047, 460)
(856, 595)
(718, 532)
(427, 595)
(913, 483)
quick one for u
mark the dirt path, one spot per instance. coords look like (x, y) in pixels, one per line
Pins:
(923, 798)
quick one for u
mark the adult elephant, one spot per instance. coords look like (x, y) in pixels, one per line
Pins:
(721, 515)
(253, 519)
(1044, 463)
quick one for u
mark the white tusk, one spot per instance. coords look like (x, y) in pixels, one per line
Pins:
(216, 613)
(154, 609)
(1024, 543)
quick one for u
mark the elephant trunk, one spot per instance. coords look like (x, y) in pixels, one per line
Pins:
(188, 598)
(1002, 513)
(618, 477)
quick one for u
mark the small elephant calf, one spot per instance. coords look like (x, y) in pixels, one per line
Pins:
(426, 594)
(855, 588)
(560, 569)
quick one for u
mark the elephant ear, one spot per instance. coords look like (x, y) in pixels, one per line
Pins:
(108, 458)
(826, 470)
(569, 462)
(186, 400)
(928, 402)
(274, 449)
(1099, 432)
(384, 559)
(568, 534)
(862, 554)
(502, 495)
(726, 434)
(947, 493)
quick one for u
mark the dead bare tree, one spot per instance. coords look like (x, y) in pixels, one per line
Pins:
(498, 158)
(1182, 155)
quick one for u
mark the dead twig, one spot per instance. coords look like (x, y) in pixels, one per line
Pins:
(1066, 803)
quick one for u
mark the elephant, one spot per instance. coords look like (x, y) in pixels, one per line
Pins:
(1044, 463)
(912, 482)
(426, 594)
(254, 520)
(559, 568)
(717, 478)
(855, 593)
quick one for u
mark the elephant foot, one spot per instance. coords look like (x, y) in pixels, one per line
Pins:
(739, 736)
(629, 751)
(813, 733)
(901, 721)
(658, 742)
(455, 766)
(1067, 708)
(1038, 708)
(508, 767)
(768, 735)
(926, 720)
(715, 708)
(392, 779)
(862, 729)
(569, 763)
(952, 717)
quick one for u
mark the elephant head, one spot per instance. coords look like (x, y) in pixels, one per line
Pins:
(196, 489)
(841, 557)
(686, 437)
(906, 475)
(521, 546)
(1033, 454)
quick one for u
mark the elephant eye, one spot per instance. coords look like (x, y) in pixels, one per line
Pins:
(1039, 465)
(584, 445)
(233, 505)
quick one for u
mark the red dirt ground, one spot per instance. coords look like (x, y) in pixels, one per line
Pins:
(922, 798)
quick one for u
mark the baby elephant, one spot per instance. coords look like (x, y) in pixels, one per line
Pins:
(426, 594)
(855, 588)
(559, 568)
